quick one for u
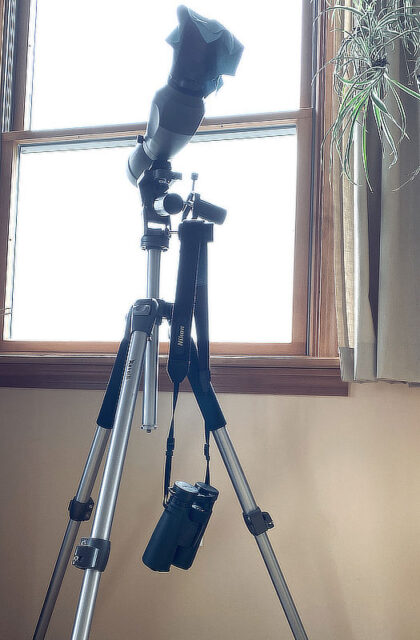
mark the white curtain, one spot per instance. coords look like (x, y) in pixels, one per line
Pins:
(377, 257)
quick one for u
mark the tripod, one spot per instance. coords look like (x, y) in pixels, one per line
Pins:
(138, 352)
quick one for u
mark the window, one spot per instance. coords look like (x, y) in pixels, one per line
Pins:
(78, 80)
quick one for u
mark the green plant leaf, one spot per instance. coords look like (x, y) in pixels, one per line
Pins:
(364, 149)
(391, 142)
(410, 92)
(362, 78)
(339, 7)
(401, 111)
(381, 105)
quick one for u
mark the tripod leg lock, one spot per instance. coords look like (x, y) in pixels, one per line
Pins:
(143, 316)
(80, 511)
(92, 553)
(258, 521)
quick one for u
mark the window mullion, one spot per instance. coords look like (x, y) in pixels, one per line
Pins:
(16, 28)
(8, 48)
(308, 12)
(250, 121)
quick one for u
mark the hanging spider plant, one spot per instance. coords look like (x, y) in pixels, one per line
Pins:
(370, 31)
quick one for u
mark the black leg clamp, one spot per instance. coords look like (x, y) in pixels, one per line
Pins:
(92, 553)
(80, 511)
(258, 521)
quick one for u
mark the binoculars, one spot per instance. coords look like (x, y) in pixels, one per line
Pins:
(178, 533)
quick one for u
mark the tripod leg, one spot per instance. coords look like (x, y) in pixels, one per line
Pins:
(249, 506)
(92, 554)
(257, 522)
(81, 506)
(82, 498)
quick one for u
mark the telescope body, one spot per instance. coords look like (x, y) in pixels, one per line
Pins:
(174, 119)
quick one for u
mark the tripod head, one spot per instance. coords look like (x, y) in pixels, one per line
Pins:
(159, 205)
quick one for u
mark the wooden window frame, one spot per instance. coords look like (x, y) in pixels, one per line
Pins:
(308, 365)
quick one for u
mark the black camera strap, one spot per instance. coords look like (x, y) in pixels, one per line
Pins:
(201, 317)
(207, 454)
(170, 446)
(191, 301)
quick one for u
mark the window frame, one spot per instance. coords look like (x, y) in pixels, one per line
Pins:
(313, 301)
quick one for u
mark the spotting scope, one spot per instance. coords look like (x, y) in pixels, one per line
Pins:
(203, 51)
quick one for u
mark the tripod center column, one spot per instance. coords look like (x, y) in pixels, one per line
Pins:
(155, 241)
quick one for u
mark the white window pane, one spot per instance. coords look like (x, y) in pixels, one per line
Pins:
(78, 265)
(100, 62)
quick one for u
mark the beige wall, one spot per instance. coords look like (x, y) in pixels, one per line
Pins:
(340, 477)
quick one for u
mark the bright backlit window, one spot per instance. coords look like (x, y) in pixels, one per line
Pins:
(86, 73)
(101, 62)
(83, 249)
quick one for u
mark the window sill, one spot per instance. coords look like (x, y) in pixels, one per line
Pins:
(271, 375)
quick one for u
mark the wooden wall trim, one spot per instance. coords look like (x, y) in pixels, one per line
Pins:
(249, 375)
(322, 335)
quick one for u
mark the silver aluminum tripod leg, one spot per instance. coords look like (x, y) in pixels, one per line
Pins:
(83, 494)
(107, 499)
(248, 505)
